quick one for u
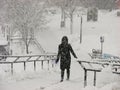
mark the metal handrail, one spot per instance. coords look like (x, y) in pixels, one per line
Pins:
(46, 58)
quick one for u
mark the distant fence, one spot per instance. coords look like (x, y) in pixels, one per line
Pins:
(4, 59)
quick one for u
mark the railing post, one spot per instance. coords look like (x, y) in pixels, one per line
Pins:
(53, 63)
(24, 66)
(94, 78)
(12, 68)
(34, 65)
(48, 64)
(85, 77)
(42, 64)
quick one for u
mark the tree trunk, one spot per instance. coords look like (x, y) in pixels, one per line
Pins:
(71, 23)
(27, 48)
(62, 18)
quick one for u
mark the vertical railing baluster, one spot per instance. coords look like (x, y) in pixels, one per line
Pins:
(52, 63)
(12, 68)
(24, 66)
(48, 64)
(42, 64)
(94, 78)
(85, 77)
(34, 65)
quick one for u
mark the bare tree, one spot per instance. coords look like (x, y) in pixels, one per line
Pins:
(69, 11)
(26, 16)
(68, 8)
(61, 4)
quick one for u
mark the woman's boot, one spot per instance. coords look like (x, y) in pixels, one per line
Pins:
(68, 74)
(62, 76)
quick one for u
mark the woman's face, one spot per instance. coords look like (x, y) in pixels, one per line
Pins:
(64, 41)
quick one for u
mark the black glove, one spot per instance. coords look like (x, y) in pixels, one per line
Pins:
(56, 61)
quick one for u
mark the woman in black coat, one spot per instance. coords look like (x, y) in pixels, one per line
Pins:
(64, 50)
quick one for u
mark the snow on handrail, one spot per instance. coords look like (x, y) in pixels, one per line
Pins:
(26, 58)
(28, 55)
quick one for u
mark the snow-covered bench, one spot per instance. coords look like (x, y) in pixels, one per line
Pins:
(94, 56)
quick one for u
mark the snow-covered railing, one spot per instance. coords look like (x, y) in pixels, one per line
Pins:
(98, 55)
(6, 59)
(115, 63)
(112, 61)
(90, 66)
(95, 66)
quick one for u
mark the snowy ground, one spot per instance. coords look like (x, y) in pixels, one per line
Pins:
(107, 26)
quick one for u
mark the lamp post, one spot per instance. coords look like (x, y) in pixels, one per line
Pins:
(102, 40)
(81, 22)
(81, 29)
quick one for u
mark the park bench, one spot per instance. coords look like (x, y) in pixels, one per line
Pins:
(96, 53)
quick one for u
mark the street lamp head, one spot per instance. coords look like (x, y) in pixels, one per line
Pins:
(102, 39)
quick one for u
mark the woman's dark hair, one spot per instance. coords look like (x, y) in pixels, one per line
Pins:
(64, 39)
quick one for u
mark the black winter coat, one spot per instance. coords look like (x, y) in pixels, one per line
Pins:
(64, 55)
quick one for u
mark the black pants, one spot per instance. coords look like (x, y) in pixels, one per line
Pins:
(62, 73)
